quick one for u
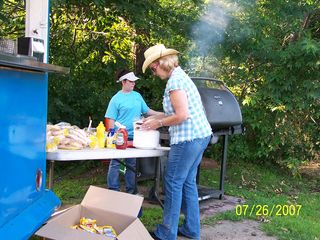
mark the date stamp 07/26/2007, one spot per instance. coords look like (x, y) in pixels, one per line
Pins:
(277, 210)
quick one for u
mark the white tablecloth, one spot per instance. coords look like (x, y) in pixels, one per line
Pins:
(105, 153)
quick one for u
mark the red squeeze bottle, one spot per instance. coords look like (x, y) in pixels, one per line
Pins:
(122, 138)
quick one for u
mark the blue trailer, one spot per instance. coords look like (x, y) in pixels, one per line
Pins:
(25, 203)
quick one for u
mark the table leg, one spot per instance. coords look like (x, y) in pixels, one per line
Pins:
(51, 170)
(223, 165)
(157, 180)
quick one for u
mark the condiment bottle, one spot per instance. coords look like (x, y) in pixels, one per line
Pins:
(110, 143)
(100, 135)
(121, 136)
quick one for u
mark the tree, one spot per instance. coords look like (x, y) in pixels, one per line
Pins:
(95, 38)
(271, 59)
(12, 17)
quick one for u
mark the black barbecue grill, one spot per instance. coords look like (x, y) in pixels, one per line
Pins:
(224, 115)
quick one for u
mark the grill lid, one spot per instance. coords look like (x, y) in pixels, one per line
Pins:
(222, 108)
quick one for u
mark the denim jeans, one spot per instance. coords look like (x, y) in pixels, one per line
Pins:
(181, 191)
(113, 181)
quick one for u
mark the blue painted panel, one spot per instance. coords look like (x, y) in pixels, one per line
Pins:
(22, 226)
(23, 107)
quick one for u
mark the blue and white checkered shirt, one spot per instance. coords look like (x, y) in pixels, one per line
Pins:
(197, 125)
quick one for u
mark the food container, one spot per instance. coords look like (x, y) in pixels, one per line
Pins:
(145, 139)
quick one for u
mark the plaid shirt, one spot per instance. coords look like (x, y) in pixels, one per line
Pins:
(197, 125)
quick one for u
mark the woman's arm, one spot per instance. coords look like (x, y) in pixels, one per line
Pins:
(179, 101)
(154, 113)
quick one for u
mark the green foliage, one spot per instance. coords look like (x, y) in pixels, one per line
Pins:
(73, 179)
(151, 217)
(12, 17)
(95, 39)
(92, 43)
(271, 61)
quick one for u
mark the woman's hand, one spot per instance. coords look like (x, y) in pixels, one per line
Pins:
(151, 123)
(179, 101)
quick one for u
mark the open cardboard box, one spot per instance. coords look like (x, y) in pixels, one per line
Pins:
(116, 209)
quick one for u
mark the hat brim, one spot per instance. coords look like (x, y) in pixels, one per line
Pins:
(129, 76)
(155, 56)
(132, 78)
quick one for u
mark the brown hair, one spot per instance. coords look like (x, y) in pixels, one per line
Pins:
(121, 72)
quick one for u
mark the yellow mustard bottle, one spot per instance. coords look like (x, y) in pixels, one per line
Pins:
(100, 135)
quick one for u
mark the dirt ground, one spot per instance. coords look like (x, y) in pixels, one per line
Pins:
(311, 170)
(227, 230)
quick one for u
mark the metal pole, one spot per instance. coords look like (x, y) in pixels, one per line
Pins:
(51, 171)
(223, 164)
(157, 181)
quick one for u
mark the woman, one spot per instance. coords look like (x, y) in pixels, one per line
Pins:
(125, 107)
(190, 133)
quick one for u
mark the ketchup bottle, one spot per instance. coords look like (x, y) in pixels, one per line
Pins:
(121, 138)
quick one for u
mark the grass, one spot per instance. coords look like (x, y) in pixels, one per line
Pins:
(258, 185)
(263, 187)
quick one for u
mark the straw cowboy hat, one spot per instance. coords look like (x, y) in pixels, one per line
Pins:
(154, 53)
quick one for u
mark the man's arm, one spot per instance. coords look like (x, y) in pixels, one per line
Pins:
(108, 123)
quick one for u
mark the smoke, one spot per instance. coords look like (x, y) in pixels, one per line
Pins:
(210, 30)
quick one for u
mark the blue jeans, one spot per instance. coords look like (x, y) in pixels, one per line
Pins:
(181, 191)
(113, 181)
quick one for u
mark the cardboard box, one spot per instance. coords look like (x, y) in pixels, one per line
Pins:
(117, 209)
